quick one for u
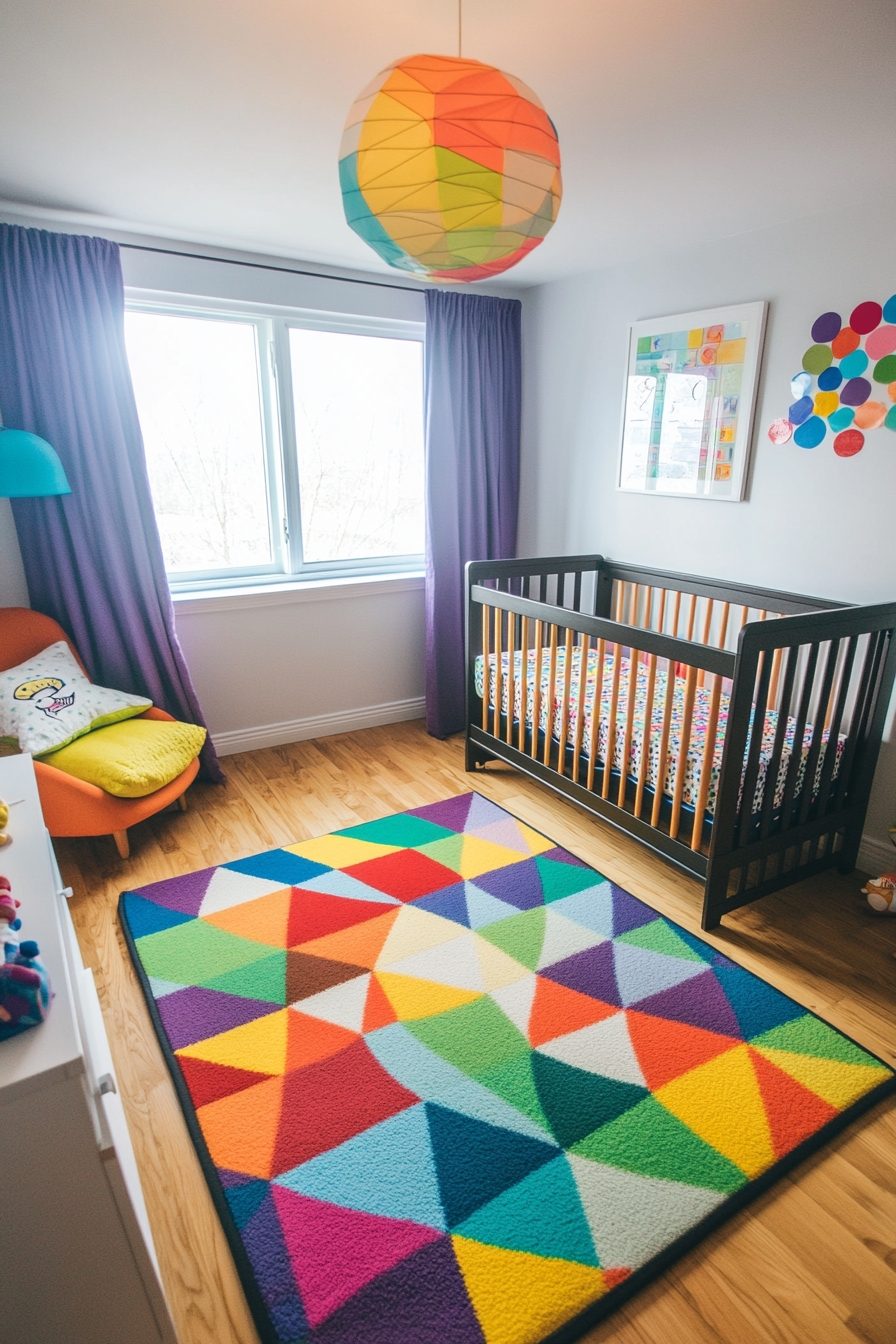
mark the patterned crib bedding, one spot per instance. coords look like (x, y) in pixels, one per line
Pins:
(699, 724)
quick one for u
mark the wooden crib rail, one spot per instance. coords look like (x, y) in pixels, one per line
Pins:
(700, 656)
(737, 595)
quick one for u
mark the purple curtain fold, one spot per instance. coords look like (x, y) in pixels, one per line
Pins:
(93, 559)
(472, 427)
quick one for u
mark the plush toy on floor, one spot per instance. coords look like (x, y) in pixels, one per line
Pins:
(881, 893)
(24, 984)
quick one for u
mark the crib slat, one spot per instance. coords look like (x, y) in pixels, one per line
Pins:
(536, 690)
(661, 622)
(633, 612)
(692, 612)
(874, 652)
(671, 679)
(773, 769)
(830, 756)
(796, 753)
(707, 626)
(646, 735)
(511, 674)
(773, 687)
(564, 705)
(486, 665)
(611, 726)
(499, 672)
(524, 682)
(620, 600)
(581, 685)
(595, 711)
(690, 691)
(706, 763)
(821, 715)
(676, 611)
(757, 732)
(552, 692)
(633, 657)
(723, 633)
(648, 614)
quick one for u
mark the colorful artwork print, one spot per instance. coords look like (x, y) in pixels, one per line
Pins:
(451, 1086)
(449, 168)
(844, 387)
(689, 403)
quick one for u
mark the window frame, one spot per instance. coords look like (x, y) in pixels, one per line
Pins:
(272, 323)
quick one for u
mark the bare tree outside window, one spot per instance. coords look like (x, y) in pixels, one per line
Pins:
(197, 389)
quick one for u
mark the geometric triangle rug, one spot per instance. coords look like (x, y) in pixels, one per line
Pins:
(449, 1085)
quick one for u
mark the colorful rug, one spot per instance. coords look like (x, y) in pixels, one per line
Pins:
(451, 1086)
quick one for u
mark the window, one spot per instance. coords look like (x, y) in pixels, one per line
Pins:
(279, 446)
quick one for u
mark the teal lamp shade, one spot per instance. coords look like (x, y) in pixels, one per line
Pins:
(29, 466)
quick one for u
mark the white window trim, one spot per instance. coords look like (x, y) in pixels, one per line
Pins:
(288, 568)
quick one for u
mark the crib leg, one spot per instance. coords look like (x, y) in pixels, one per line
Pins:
(849, 854)
(476, 756)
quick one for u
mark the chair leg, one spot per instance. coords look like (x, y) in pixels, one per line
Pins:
(182, 802)
(121, 843)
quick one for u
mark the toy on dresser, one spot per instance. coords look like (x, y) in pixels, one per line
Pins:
(24, 984)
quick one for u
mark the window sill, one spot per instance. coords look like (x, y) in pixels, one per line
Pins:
(294, 594)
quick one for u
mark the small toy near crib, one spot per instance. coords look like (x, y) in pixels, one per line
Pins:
(640, 694)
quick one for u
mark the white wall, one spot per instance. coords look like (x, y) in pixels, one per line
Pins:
(813, 522)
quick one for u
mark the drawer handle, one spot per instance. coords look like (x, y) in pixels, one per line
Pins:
(106, 1084)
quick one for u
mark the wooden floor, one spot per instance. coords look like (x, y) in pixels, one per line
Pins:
(814, 1260)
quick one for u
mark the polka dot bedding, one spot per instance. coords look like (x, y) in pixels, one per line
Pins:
(699, 725)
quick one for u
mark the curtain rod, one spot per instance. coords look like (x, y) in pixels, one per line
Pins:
(264, 266)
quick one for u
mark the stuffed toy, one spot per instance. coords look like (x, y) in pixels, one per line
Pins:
(25, 992)
(881, 893)
(4, 821)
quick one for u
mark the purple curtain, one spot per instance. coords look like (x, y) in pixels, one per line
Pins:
(472, 425)
(92, 559)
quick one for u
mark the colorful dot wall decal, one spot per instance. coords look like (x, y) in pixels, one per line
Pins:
(779, 431)
(835, 388)
(825, 328)
(829, 380)
(800, 410)
(826, 403)
(811, 433)
(865, 317)
(854, 365)
(817, 358)
(871, 415)
(850, 442)
(881, 342)
(855, 392)
(844, 343)
(885, 369)
(842, 419)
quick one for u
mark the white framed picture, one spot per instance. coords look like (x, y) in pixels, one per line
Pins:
(690, 393)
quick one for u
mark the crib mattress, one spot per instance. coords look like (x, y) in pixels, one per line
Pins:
(699, 725)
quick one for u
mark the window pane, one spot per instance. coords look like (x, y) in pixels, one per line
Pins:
(359, 434)
(196, 382)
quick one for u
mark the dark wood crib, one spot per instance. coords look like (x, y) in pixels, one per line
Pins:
(634, 692)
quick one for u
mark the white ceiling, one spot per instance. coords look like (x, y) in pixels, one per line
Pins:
(219, 121)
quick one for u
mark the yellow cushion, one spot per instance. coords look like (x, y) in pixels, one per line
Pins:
(130, 759)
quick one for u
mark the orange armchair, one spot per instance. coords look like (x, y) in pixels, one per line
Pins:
(72, 806)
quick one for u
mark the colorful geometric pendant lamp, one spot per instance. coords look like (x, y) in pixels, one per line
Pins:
(449, 168)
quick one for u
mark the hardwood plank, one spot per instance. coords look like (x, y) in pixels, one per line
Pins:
(814, 1259)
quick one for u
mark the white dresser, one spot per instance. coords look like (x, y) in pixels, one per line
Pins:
(77, 1263)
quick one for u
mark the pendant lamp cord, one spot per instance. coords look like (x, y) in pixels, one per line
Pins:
(460, 29)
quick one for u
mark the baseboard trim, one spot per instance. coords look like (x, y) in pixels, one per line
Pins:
(876, 856)
(317, 725)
